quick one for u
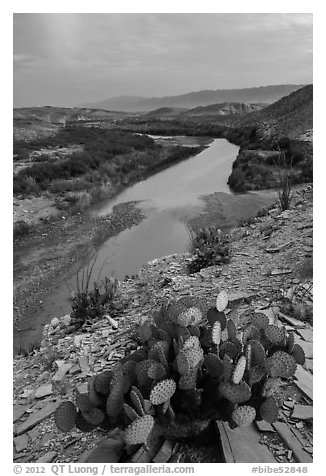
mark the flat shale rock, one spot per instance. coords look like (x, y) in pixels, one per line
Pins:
(306, 334)
(243, 445)
(302, 412)
(306, 346)
(304, 381)
(37, 417)
(293, 321)
(43, 391)
(263, 425)
(18, 412)
(21, 443)
(61, 372)
(292, 442)
(47, 457)
(108, 450)
(165, 452)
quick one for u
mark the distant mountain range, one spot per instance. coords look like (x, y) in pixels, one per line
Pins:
(262, 94)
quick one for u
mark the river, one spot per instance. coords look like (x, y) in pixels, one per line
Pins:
(168, 200)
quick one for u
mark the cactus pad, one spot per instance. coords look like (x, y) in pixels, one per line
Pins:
(186, 311)
(156, 371)
(189, 381)
(213, 365)
(94, 397)
(290, 341)
(163, 335)
(138, 355)
(158, 348)
(162, 391)
(130, 412)
(138, 431)
(239, 370)
(250, 332)
(65, 416)
(194, 331)
(83, 402)
(191, 342)
(243, 415)
(141, 371)
(232, 330)
(258, 354)
(260, 320)
(216, 333)
(82, 424)
(271, 386)
(213, 315)
(190, 316)
(248, 354)
(256, 373)
(227, 368)
(222, 301)
(102, 383)
(274, 333)
(95, 416)
(298, 354)
(114, 402)
(145, 332)
(235, 393)
(137, 401)
(281, 364)
(228, 348)
(269, 410)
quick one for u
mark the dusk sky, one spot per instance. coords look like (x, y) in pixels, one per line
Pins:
(68, 59)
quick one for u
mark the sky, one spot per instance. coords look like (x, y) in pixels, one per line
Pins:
(66, 59)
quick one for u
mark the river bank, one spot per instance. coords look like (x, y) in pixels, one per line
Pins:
(269, 257)
(54, 243)
(53, 252)
(46, 260)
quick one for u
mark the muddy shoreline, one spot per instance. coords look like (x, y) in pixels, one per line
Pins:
(54, 252)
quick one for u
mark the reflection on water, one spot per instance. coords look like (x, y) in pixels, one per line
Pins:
(167, 200)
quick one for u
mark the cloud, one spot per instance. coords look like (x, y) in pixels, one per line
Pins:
(159, 53)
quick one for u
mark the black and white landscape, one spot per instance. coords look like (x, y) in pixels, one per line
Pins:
(163, 204)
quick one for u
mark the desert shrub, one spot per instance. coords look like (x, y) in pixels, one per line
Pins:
(81, 201)
(237, 180)
(21, 229)
(89, 303)
(210, 247)
(99, 192)
(193, 365)
(307, 171)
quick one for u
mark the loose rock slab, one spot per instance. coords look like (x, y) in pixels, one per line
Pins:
(242, 445)
(304, 381)
(292, 442)
(37, 417)
(302, 412)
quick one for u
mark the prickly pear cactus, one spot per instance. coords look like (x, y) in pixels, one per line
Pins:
(269, 410)
(138, 431)
(244, 415)
(162, 391)
(239, 370)
(65, 416)
(194, 361)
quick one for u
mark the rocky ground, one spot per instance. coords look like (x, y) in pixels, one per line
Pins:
(270, 270)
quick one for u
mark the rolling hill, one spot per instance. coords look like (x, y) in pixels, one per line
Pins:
(224, 109)
(32, 122)
(263, 94)
(291, 116)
